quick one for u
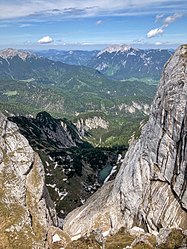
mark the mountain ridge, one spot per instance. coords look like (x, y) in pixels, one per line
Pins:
(72, 57)
(115, 49)
(10, 53)
(118, 62)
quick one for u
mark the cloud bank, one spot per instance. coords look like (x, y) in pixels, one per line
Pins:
(85, 8)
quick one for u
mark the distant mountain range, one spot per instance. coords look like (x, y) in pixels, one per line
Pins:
(24, 65)
(118, 61)
(72, 57)
(123, 62)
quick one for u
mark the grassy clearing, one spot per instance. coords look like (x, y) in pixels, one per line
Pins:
(10, 93)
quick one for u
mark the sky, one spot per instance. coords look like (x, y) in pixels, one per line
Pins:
(92, 24)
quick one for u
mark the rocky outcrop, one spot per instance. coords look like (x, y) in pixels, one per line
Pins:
(135, 107)
(94, 122)
(10, 53)
(150, 188)
(26, 210)
(44, 129)
(135, 238)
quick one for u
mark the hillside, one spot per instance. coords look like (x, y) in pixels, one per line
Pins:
(72, 57)
(39, 84)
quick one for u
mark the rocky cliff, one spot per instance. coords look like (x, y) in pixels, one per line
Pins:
(44, 129)
(150, 188)
(26, 210)
(91, 123)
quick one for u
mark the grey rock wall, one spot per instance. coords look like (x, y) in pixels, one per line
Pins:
(150, 188)
(26, 210)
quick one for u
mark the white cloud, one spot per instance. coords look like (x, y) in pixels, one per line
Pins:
(158, 43)
(45, 40)
(169, 19)
(25, 25)
(155, 32)
(86, 43)
(99, 22)
(158, 17)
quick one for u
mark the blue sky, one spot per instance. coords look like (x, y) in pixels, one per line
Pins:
(88, 24)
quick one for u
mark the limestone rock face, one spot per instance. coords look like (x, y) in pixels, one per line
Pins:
(10, 53)
(150, 190)
(92, 123)
(26, 210)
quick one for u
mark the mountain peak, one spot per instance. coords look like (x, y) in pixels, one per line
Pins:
(116, 48)
(10, 53)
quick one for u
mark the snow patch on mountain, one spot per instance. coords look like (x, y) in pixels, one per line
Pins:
(10, 53)
(115, 49)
